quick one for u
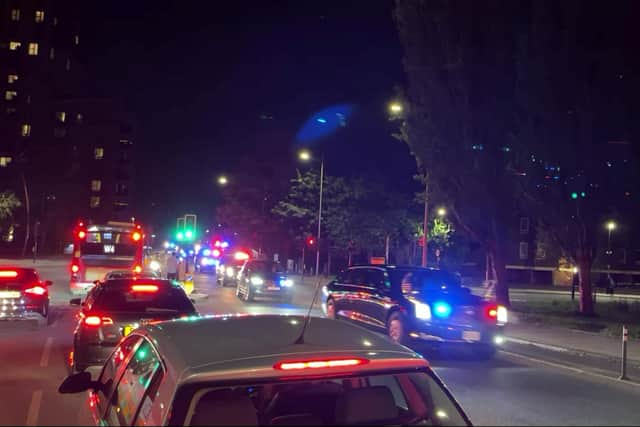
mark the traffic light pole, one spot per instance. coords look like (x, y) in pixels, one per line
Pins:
(319, 216)
(425, 221)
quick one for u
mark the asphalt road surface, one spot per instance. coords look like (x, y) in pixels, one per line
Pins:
(509, 390)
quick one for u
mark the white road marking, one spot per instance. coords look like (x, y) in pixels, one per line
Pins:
(537, 344)
(44, 360)
(34, 408)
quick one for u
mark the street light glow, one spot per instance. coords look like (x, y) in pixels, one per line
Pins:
(442, 212)
(611, 225)
(304, 155)
(222, 180)
(395, 108)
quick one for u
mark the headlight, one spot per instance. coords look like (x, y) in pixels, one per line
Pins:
(287, 283)
(257, 281)
(154, 265)
(502, 316)
(423, 311)
(230, 272)
(205, 261)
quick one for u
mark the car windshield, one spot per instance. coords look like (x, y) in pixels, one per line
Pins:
(395, 399)
(265, 267)
(118, 296)
(416, 281)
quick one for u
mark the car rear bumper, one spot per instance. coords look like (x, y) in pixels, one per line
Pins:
(20, 309)
(468, 334)
(92, 354)
(273, 293)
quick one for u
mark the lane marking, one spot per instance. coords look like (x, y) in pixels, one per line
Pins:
(44, 360)
(34, 408)
(537, 344)
(570, 368)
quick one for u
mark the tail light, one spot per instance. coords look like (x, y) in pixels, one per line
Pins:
(97, 321)
(82, 234)
(8, 273)
(75, 268)
(36, 290)
(144, 288)
(318, 364)
(137, 269)
(497, 313)
(135, 236)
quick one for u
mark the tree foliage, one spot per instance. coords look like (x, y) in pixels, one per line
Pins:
(9, 202)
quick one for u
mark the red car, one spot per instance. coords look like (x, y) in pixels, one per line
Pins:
(23, 295)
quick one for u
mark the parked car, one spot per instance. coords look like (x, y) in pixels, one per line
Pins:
(24, 296)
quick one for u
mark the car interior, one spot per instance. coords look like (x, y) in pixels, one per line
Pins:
(374, 400)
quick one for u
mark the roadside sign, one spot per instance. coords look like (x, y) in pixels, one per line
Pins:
(377, 260)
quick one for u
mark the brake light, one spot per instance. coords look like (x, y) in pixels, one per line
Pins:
(137, 269)
(36, 290)
(216, 253)
(97, 321)
(317, 364)
(498, 313)
(9, 273)
(492, 312)
(82, 234)
(144, 288)
(239, 256)
(75, 268)
(136, 236)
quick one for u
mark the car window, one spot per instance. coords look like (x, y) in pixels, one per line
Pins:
(108, 376)
(141, 376)
(375, 278)
(358, 276)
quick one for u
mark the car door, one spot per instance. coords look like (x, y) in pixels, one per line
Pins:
(374, 297)
(132, 400)
(362, 291)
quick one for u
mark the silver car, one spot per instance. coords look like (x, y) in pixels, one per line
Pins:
(263, 370)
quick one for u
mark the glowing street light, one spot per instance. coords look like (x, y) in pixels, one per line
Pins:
(395, 108)
(304, 155)
(441, 212)
(222, 180)
(611, 225)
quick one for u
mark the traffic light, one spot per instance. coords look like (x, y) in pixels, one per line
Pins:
(574, 195)
(311, 241)
(180, 236)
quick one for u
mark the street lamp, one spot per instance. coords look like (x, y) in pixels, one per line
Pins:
(441, 212)
(222, 180)
(395, 108)
(611, 225)
(305, 155)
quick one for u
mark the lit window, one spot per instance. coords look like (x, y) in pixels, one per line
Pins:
(94, 202)
(79, 118)
(524, 225)
(76, 40)
(39, 15)
(68, 64)
(96, 184)
(4, 161)
(12, 78)
(33, 49)
(55, 21)
(11, 110)
(15, 14)
(98, 153)
(61, 116)
(541, 253)
(14, 45)
(26, 129)
(52, 53)
(524, 250)
(10, 94)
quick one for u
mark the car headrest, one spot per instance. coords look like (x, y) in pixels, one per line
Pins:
(297, 420)
(224, 408)
(366, 405)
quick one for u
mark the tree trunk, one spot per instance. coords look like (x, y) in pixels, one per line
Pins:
(28, 214)
(585, 262)
(500, 275)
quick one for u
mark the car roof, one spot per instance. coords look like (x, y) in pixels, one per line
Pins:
(126, 281)
(395, 267)
(238, 346)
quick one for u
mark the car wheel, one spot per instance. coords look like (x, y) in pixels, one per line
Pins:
(238, 291)
(331, 309)
(247, 294)
(396, 328)
(485, 351)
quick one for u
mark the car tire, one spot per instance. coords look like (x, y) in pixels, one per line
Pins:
(331, 309)
(248, 297)
(238, 293)
(397, 328)
(485, 351)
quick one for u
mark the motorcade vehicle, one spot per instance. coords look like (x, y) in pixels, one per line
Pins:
(416, 304)
(100, 248)
(264, 279)
(230, 265)
(23, 295)
(112, 309)
(243, 369)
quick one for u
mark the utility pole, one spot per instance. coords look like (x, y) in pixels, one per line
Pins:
(319, 217)
(425, 226)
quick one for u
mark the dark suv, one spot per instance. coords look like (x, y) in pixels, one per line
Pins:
(413, 303)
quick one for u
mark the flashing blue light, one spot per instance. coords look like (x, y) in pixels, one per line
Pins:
(206, 252)
(441, 309)
(321, 120)
(224, 244)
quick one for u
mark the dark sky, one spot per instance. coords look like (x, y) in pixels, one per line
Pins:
(197, 76)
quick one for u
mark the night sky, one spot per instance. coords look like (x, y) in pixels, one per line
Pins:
(198, 76)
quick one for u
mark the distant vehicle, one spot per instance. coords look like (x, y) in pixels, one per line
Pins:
(208, 259)
(127, 274)
(258, 279)
(230, 265)
(254, 370)
(114, 308)
(100, 248)
(414, 303)
(24, 296)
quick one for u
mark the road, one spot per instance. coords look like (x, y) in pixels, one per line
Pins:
(509, 390)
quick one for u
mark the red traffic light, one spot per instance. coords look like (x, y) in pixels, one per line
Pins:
(311, 241)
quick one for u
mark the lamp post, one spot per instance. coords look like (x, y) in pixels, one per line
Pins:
(611, 225)
(223, 180)
(305, 156)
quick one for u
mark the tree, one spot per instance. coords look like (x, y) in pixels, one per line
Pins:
(9, 202)
(458, 69)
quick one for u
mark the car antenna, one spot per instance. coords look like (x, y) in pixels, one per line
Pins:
(307, 318)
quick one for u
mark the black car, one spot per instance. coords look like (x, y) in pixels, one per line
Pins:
(23, 295)
(413, 303)
(114, 308)
(264, 279)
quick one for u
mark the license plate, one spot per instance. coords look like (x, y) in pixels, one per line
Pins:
(109, 249)
(471, 335)
(9, 294)
(273, 288)
(127, 330)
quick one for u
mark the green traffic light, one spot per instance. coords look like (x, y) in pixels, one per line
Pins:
(574, 195)
(583, 194)
(180, 235)
(189, 234)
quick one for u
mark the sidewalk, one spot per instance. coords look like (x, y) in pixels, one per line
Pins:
(564, 339)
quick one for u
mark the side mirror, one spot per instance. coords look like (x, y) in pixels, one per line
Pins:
(77, 383)
(75, 301)
(48, 283)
